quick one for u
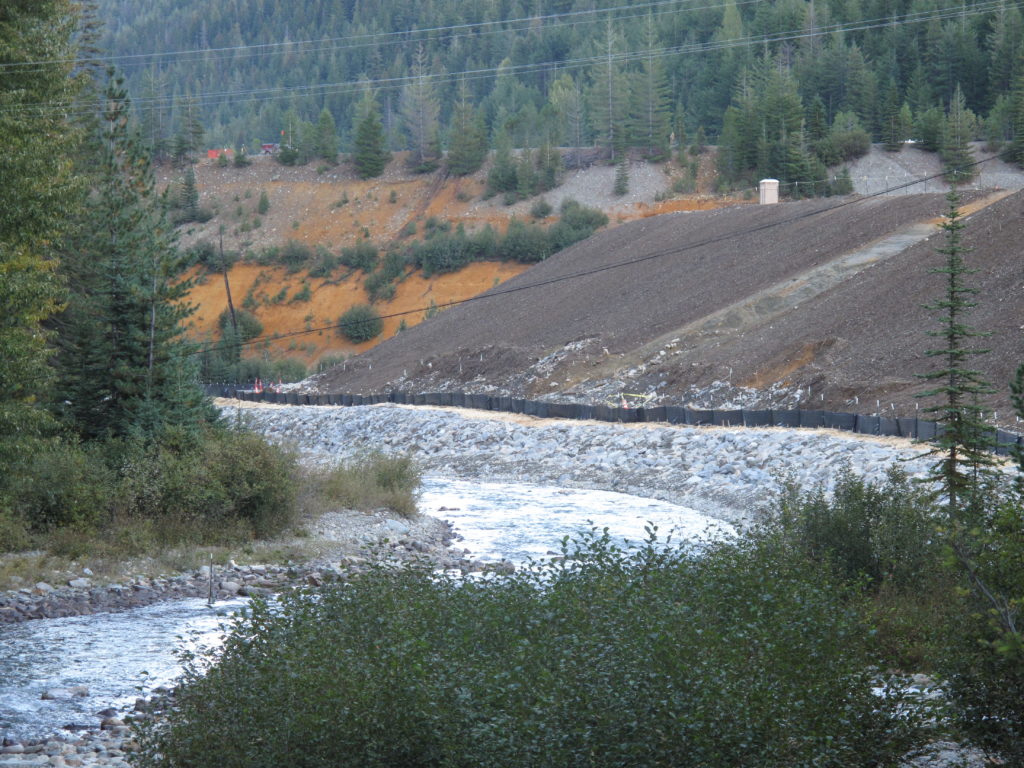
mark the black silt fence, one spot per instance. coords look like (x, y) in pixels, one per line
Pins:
(913, 428)
(762, 418)
(785, 418)
(727, 418)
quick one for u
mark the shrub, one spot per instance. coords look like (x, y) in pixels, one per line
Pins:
(360, 323)
(650, 656)
(883, 532)
(374, 482)
(325, 265)
(541, 209)
(294, 255)
(362, 256)
(249, 326)
(65, 485)
(15, 534)
(228, 479)
(305, 293)
(264, 204)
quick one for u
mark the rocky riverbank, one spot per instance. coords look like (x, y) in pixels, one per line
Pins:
(725, 472)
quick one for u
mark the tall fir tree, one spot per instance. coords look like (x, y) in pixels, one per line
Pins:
(420, 112)
(1015, 152)
(326, 136)
(369, 151)
(609, 97)
(467, 146)
(962, 446)
(126, 370)
(956, 150)
(36, 203)
(651, 117)
(566, 96)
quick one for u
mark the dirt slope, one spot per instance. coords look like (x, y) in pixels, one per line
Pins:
(330, 207)
(591, 337)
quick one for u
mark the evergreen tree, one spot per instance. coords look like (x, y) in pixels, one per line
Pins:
(36, 197)
(892, 127)
(468, 144)
(125, 369)
(609, 98)
(1015, 152)
(502, 176)
(420, 110)
(526, 177)
(956, 153)
(962, 446)
(566, 96)
(189, 138)
(369, 154)
(621, 186)
(651, 114)
(326, 137)
(188, 197)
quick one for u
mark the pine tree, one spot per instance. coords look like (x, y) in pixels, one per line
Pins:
(1015, 152)
(566, 96)
(651, 113)
(188, 197)
(420, 110)
(892, 127)
(36, 199)
(621, 186)
(468, 144)
(964, 439)
(502, 176)
(326, 137)
(369, 154)
(956, 152)
(609, 98)
(125, 369)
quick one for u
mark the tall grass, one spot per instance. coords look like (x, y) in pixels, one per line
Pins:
(375, 481)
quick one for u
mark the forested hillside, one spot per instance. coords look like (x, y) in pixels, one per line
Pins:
(786, 87)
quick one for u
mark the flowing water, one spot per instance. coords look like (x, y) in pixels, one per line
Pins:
(120, 656)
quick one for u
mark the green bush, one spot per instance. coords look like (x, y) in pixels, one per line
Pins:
(295, 255)
(541, 209)
(360, 323)
(264, 203)
(325, 265)
(228, 478)
(651, 656)
(65, 485)
(249, 326)
(374, 482)
(526, 243)
(362, 256)
(884, 532)
(15, 532)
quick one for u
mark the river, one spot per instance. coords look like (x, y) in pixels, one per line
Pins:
(118, 657)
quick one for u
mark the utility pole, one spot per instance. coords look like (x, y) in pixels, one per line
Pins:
(227, 285)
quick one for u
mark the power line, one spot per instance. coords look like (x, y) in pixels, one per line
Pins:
(371, 38)
(608, 267)
(391, 83)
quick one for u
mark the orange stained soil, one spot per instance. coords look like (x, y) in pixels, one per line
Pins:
(271, 293)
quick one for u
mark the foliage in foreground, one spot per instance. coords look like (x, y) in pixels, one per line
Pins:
(221, 487)
(893, 542)
(742, 656)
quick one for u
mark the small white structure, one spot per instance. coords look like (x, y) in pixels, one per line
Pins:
(769, 191)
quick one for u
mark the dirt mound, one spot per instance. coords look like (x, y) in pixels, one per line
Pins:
(618, 313)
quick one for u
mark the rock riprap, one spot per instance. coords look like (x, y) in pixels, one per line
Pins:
(726, 472)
